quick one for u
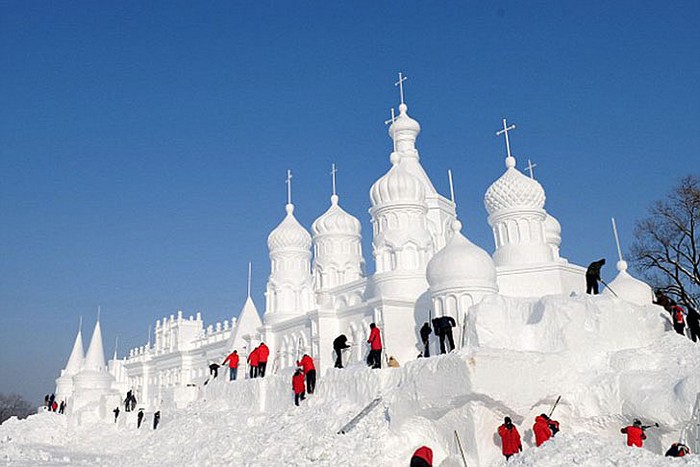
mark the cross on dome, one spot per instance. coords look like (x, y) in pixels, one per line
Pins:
(531, 168)
(399, 83)
(505, 131)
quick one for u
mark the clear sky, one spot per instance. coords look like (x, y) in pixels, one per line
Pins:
(144, 145)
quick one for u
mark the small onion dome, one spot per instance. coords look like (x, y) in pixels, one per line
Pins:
(628, 288)
(336, 221)
(552, 230)
(514, 190)
(289, 235)
(461, 264)
(398, 185)
(404, 123)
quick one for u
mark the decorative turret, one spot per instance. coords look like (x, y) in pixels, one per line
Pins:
(289, 288)
(515, 204)
(64, 383)
(337, 246)
(247, 323)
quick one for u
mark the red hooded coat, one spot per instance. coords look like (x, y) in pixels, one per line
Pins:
(306, 363)
(541, 430)
(263, 353)
(425, 453)
(510, 439)
(635, 435)
(298, 383)
(232, 360)
(254, 357)
(375, 339)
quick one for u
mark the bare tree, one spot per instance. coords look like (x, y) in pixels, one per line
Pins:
(14, 405)
(666, 246)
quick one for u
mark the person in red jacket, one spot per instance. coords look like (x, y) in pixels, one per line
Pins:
(678, 319)
(510, 438)
(232, 361)
(298, 386)
(635, 434)
(253, 360)
(544, 428)
(263, 354)
(423, 457)
(374, 359)
(307, 367)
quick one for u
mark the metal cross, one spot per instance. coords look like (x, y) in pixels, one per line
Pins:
(531, 168)
(392, 120)
(505, 131)
(289, 186)
(333, 172)
(399, 83)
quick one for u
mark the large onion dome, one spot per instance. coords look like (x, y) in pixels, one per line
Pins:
(335, 221)
(289, 235)
(513, 190)
(398, 185)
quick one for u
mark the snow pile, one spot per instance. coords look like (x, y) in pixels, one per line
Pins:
(610, 360)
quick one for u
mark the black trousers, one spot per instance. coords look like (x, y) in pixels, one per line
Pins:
(299, 397)
(375, 358)
(338, 358)
(253, 372)
(311, 381)
(592, 285)
(426, 348)
(261, 369)
(446, 333)
(680, 328)
(694, 331)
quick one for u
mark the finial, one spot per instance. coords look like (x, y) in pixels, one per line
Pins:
(456, 225)
(399, 83)
(333, 172)
(149, 336)
(99, 308)
(510, 160)
(80, 324)
(617, 239)
(250, 270)
(289, 187)
(116, 344)
(531, 168)
(452, 187)
(392, 120)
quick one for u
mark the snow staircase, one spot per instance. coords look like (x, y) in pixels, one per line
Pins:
(356, 419)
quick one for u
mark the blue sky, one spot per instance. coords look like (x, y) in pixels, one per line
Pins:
(144, 145)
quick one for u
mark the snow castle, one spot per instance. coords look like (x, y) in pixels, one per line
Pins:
(317, 288)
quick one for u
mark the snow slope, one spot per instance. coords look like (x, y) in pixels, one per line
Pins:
(610, 360)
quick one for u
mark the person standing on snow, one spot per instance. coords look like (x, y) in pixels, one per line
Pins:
(253, 361)
(116, 414)
(156, 419)
(298, 386)
(309, 369)
(693, 322)
(62, 407)
(678, 319)
(339, 344)
(425, 338)
(139, 418)
(443, 329)
(510, 438)
(422, 457)
(635, 433)
(593, 276)
(232, 361)
(52, 398)
(127, 400)
(263, 354)
(375, 347)
(544, 428)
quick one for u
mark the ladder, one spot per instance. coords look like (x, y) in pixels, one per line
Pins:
(356, 419)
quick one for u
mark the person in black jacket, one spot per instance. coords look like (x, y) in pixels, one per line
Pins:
(156, 419)
(693, 322)
(443, 329)
(339, 344)
(425, 337)
(139, 418)
(593, 276)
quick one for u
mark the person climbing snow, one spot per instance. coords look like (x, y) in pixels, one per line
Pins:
(425, 338)
(677, 450)
(593, 276)
(52, 398)
(443, 329)
(253, 361)
(62, 407)
(309, 370)
(544, 428)
(340, 343)
(214, 370)
(692, 319)
(422, 457)
(298, 386)
(139, 418)
(116, 414)
(678, 317)
(232, 361)
(156, 419)
(635, 433)
(374, 359)
(263, 355)
(127, 400)
(510, 438)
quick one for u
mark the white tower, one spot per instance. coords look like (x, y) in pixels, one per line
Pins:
(64, 383)
(289, 287)
(337, 247)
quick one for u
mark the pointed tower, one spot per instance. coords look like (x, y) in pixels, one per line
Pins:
(64, 383)
(95, 356)
(289, 288)
(247, 323)
(337, 247)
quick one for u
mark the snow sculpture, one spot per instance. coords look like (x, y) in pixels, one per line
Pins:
(628, 288)
(64, 383)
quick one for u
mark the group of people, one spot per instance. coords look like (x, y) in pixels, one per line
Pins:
(304, 378)
(129, 401)
(680, 317)
(139, 416)
(442, 327)
(52, 405)
(257, 362)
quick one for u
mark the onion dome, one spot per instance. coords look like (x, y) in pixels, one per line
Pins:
(552, 230)
(513, 190)
(398, 185)
(628, 288)
(404, 125)
(461, 264)
(289, 235)
(336, 221)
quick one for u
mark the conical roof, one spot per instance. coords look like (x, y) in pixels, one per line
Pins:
(248, 322)
(77, 357)
(95, 356)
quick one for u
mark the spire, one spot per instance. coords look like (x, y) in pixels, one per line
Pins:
(334, 196)
(621, 264)
(116, 344)
(510, 160)
(95, 357)
(250, 270)
(452, 187)
(289, 190)
(75, 361)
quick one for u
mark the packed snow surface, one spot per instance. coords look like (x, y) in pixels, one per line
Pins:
(611, 362)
